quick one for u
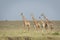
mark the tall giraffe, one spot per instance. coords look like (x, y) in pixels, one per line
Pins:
(36, 24)
(49, 23)
(25, 22)
(43, 23)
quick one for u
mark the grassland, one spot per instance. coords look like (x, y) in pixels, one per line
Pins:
(14, 30)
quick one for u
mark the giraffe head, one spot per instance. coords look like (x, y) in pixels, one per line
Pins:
(42, 14)
(32, 15)
(21, 13)
(39, 17)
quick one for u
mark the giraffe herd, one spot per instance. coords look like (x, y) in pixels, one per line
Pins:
(45, 24)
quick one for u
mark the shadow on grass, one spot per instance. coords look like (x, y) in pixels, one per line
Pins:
(18, 38)
(30, 38)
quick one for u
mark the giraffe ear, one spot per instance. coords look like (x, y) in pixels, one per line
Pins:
(42, 14)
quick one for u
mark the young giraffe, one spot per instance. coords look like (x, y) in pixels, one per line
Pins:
(25, 22)
(35, 23)
(49, 23)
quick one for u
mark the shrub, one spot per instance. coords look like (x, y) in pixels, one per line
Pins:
(56, 33)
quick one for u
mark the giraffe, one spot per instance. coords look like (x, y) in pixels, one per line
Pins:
(25, 22)
(44, 24)
(36, 24)
(48, 22)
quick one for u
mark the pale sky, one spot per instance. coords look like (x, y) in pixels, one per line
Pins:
(10, 9)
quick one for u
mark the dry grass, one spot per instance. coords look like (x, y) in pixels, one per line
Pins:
(13, 30)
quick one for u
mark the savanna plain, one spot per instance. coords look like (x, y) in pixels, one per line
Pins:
(14, 30)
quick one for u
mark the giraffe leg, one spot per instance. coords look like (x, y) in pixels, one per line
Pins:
(51, 27)
(46, 27)
(37, 27)
(43, 28)
(34, 27)
(28, 27)
(24, 27)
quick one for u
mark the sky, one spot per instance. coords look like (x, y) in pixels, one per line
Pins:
(11, 9)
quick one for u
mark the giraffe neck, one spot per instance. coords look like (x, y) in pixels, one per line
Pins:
(24, 19)
(34, 20)
(42, 21)
(47, 21)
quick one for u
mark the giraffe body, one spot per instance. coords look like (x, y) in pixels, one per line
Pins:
(48, 23)
(37, 25)
(25, 22)
(44, 25)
